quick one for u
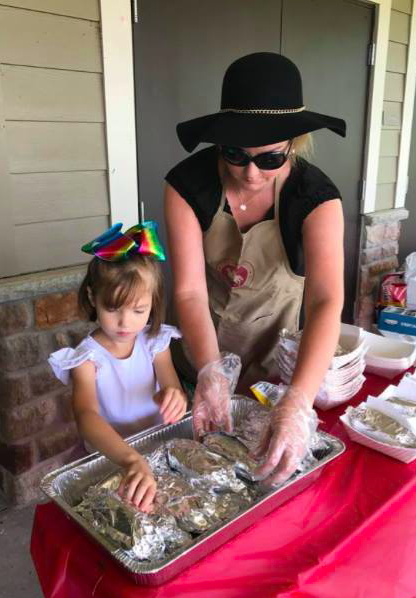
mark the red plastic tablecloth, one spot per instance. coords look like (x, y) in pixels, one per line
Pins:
(352, 534)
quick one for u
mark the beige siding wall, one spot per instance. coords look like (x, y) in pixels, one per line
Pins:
(393, 103)
(53, 165)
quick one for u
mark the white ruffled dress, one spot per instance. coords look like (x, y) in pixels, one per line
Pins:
(125, 387)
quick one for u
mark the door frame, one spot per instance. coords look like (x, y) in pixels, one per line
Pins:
(120, 116)
(407, 116)
(117, 42)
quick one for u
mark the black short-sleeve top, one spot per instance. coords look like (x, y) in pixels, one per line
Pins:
(197, 180)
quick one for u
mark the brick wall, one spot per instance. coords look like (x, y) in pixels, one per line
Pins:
(378, 256)
(37, 430)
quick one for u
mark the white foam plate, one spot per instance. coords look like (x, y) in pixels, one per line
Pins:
(387, 357)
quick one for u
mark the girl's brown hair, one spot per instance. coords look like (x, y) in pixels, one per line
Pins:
(117, 284)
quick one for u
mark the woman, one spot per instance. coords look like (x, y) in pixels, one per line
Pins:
(246, 218)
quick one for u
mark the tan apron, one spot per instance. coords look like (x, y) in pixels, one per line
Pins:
(252, 291)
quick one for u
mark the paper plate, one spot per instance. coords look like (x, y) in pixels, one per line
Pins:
(406, 455)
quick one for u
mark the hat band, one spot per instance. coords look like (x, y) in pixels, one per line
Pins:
(264, 110)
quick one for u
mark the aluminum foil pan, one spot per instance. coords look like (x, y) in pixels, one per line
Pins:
(68, 485)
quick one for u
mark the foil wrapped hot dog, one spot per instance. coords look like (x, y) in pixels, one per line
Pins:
(379, 426)
(229, 504)
(202, 467)
(233, 450)
(195, 512)
(111, 482)
(157, 460)
(250, 431)
(149, 537)
(403, 405)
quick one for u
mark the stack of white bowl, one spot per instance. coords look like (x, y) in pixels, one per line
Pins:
(344, 377)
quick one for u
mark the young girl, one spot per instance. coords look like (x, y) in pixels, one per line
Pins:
(122, 374)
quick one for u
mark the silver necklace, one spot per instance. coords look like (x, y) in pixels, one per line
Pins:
(242, 205)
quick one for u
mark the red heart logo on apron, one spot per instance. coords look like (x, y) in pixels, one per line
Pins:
(236, 275)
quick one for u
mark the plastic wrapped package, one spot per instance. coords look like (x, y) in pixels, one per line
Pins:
(410, 278)
(393, 290)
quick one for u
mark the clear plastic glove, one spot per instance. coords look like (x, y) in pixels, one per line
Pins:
(212, 400)
(287, 440)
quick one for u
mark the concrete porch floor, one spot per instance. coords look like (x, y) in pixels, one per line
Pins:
(18, 577)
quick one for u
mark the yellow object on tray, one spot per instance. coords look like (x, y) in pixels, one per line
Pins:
(261, 390)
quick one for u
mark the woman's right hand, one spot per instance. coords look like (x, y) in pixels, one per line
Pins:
(138, 485)
(287, 440)
(212, 400)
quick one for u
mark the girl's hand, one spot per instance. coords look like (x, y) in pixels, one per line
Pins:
(172, 404)
(138, 485)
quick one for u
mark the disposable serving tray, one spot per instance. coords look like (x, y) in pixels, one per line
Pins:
(66, 486)
(401, 453)
(405, 390)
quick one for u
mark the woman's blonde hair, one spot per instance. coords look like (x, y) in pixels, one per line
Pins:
(302, 147)
(118, 283)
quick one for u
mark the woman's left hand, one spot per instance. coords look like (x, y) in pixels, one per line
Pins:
(172, 404)
(292, 423)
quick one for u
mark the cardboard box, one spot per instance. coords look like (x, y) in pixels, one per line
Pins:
(398, 319)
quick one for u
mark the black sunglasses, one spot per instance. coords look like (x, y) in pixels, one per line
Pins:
(265, 161)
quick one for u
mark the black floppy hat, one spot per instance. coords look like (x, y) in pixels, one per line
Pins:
(261, 104)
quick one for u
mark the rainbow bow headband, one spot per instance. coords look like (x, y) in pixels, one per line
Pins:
(115, 246)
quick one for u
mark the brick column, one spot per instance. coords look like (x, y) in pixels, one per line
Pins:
(37, 431)
(378, 256)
